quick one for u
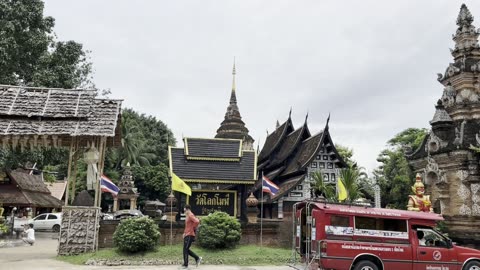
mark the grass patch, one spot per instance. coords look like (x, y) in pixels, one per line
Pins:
(242, 255)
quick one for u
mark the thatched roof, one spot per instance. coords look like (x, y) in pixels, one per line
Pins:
(59, 113)
(27, 190)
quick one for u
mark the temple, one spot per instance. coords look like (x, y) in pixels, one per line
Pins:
(288, 158)
(232, 127)
(221, 170)
(447, 158)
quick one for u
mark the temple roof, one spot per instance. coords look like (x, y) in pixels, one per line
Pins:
(223, 168)
(274, 139)
(440, 116)
(305, 154)
(290, 144)
(213, 148)
(232, 127)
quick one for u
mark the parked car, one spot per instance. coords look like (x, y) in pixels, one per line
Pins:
(48, 221)
(121, 214)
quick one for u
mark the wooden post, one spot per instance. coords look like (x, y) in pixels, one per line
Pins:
(75, 167)
(69, 170)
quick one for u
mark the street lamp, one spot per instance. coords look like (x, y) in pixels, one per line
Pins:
(13, 218)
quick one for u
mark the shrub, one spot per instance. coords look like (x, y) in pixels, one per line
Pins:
(219, 230)
(136, 234)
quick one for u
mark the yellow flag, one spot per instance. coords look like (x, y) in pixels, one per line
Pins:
(342, 192)
(180, 186)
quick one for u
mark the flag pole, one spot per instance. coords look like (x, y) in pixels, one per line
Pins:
(261, 215)
(171, 192)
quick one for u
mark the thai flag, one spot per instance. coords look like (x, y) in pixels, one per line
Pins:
(108, 186)
(269, 186)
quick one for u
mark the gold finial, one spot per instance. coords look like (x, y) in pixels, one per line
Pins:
(234, 73)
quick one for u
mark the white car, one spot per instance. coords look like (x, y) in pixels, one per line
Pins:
(48, 221)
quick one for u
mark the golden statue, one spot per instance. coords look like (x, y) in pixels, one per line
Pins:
(419, 202)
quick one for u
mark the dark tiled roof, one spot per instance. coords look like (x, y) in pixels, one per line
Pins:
(213, 148)
(225, 171)
(25, 181)
(273, 140)
(11, 195)
(305, 154)
(288, 185)
(289, 145)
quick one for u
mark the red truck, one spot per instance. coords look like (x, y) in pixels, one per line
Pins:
(335, 236)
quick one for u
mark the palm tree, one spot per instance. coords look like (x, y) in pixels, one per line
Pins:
(320, 188)
(351, 177)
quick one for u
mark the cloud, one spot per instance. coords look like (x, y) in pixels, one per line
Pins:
(371, 64)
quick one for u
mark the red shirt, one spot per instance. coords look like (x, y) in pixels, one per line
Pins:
(191, 222)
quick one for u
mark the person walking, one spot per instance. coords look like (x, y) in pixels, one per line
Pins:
(30, 232)
(191, 223)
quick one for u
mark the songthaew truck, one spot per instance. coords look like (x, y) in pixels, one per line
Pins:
(344, 237)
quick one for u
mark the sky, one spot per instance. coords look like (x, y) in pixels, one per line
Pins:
(372, 65)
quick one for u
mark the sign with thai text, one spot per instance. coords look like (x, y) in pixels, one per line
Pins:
(204, 202)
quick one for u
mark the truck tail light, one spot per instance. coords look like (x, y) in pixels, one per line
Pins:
(323, 248)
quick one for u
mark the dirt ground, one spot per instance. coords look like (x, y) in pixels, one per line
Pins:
(41, 256)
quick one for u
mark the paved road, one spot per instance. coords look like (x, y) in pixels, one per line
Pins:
(41, 256)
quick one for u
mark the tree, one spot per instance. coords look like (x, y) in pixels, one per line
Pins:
(152, 182)
(351, 178)
(29, 53)
(394, 175)
(346, 154)
(320, 187)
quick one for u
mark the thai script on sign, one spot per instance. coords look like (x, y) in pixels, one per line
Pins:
(389, 249)
(355, 211)
(203, 199)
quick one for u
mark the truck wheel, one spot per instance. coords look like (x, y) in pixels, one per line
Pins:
(56, 228)
(473, 265)
(365, 265)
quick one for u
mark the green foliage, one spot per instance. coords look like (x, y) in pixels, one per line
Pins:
(320, 187)
(31, 56)
(152, 182)
(351, 178)
(136, 234)
(3, 228)
(394, 175)
(346, 154)
(219, 230)
(48, 159)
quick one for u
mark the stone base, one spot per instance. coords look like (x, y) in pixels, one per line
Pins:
(252, 213)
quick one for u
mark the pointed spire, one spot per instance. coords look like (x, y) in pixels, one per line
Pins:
(328, 120)
(290, 113)
(306, 118)
(464, 18)
(233, 96)
(277, 125)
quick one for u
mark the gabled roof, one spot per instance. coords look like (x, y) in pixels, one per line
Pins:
(305, 154)
(214, 170)
(57, 189)
(213, 148)
(273, 140)
(29, 182)
(290, 144)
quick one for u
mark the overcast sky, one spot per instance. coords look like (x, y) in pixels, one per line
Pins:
(371, 64)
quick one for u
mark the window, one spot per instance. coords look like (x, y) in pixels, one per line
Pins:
(333, 177)
(340, 221)
(322, 150)
(41, 217)
(322, 165)
(319, 157)
(314, 164)
(325, 157)
(299, 187)
(431, 238)
(330, 165)
(52, 216)
(325, 177)
(382, 227)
